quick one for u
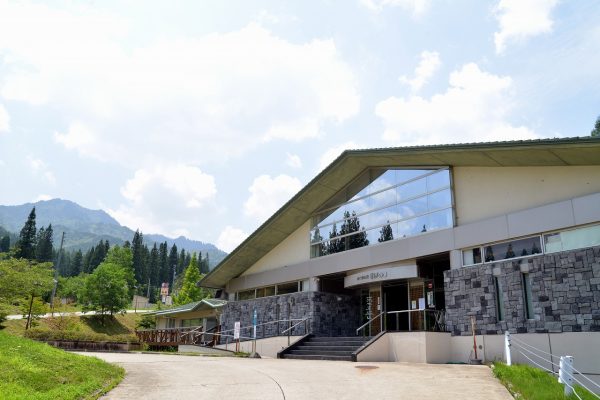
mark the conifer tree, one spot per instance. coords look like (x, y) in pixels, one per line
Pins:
(153, 267)
(138, 256)
(76, 264)
(181, 262)
(334, 245)
(173, 259)
(190, 292)
(44, 247)
(26, 243)
(385, 233)
(163, 263)
(4, 244)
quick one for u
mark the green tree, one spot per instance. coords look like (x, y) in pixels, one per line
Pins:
(153, 268)
(137, 250)
(190, 291)
(25, 247)
(123, 257)
(596, 130)
(163, 263)
(106, 290)
(181, 262)
(4, 244)
(44, 246)
(334, 245)
(22, 281)
(352, 225)
(173, 259)
(71, 287)
(76, 264)
(385, 233)
(318, 248)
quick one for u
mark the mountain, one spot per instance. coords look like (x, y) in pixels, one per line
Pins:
(84, 228)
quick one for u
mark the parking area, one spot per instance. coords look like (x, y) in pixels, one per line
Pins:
(158, 376)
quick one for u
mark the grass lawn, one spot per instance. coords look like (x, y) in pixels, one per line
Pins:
(36, 371)
(534, 384)
(118, 328)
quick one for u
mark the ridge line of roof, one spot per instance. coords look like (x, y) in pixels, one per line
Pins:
(358, 152)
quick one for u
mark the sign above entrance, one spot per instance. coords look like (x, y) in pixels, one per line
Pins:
(380, 274)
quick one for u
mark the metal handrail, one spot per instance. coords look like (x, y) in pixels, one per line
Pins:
(295, 325)
(369, 322)
(265, 323)
(424, 310)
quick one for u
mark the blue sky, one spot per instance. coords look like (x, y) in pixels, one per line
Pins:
(201, 118)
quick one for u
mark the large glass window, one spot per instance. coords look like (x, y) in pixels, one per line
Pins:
(383, 205)
(503, 251)
(586, 236)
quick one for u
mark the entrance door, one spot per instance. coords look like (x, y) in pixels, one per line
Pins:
(396, 299)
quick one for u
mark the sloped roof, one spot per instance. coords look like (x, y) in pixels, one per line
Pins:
(351, 163)
(195, 306)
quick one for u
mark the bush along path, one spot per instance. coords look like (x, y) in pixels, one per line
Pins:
(36, 371)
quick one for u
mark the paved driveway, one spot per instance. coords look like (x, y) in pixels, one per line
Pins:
(157, 376)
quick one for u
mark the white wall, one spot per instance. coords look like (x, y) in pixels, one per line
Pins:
(484, 192)
(292, 250)
(268, 347)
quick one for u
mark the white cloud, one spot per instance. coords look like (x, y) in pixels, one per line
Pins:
(293, 160)
(168, 199)
(521, 19)
(43, 197)
(188, 183)
(475, 108)
(78, 137)
(4, 119)
(268, 194)
(416, 7)
(40, 168)
(230, 238)
(221, 94)
(331, 154)
(428, 66)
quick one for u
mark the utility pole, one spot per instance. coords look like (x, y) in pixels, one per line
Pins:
(57, 266)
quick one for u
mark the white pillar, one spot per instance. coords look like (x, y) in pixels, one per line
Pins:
(507, 348)
(565, 373)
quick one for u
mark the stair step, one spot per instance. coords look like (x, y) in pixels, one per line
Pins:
(317, 357)
(321, 353)
(326, 348)
(339, 339)
(353, 344)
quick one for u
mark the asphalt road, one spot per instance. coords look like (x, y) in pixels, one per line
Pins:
(157, 376)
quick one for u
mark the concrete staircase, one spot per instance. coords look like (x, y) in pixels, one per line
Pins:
(325, 348)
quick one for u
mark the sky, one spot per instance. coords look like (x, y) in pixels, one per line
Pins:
(202, 118)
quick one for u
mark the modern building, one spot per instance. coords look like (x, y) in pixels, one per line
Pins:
(428, 244)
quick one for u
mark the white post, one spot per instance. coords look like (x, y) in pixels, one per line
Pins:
(565, 373)
(507, 348)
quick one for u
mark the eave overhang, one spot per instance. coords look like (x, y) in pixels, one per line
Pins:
(351, 163)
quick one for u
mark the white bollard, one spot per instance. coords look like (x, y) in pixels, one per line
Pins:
(507, 348)
(565, 373)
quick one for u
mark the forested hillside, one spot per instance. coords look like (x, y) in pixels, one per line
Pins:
(85, 229)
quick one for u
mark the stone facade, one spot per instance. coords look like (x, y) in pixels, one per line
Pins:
(330, 314)
(565, 289)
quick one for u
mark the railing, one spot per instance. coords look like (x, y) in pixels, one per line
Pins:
(260, 331)
(567, 374)
(204, 338)
(418, 320)
(167, 336)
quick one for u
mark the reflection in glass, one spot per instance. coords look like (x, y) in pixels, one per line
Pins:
(396, 204)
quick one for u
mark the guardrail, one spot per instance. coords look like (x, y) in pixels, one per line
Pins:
(566, 371)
